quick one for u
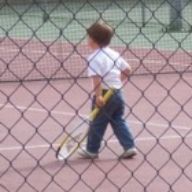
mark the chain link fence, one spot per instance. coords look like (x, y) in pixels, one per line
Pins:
(45, 92)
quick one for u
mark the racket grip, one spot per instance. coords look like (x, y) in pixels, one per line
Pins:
(106, 97)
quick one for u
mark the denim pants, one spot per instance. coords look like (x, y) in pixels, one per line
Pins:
(111, 113)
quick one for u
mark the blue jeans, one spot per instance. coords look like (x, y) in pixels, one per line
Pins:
(111, 113)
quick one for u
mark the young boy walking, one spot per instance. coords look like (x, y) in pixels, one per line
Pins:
(108, 70)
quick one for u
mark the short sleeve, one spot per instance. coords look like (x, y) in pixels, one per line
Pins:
(122, 64)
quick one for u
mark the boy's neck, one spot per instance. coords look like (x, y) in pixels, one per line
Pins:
(97, 47)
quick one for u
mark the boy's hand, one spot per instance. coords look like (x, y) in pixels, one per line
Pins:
(100, 101)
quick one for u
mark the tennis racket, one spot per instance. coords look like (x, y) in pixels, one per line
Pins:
(73, 141)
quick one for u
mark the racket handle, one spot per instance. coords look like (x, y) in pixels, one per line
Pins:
(106, 97)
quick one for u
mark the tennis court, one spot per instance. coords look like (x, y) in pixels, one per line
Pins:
(45, 93)
(36, 135)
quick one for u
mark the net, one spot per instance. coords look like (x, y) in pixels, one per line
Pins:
(47, 40)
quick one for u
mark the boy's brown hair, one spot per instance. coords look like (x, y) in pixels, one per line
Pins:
(101, 33)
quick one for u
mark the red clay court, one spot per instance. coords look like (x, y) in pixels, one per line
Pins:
(35, 128)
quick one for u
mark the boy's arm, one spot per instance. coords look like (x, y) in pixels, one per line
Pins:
(125, 73)
(98, 90)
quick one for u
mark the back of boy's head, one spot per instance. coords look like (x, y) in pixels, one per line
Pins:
(101, 33)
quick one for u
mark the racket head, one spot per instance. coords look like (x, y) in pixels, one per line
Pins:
(70, 144)
(74, 139)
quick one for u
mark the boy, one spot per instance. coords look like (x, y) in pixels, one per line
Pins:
(107, 70)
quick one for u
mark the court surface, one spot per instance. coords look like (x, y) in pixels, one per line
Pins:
(35, 126)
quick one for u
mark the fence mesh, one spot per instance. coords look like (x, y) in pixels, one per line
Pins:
(45, 92)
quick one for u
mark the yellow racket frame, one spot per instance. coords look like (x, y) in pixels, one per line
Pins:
(66, 140)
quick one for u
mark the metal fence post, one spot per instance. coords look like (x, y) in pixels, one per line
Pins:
(175, 15)
(45, 14)
(143, 12)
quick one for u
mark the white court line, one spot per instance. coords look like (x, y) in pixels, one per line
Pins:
(163, 125)
(141, 139)
(150, 61)
(85, 116)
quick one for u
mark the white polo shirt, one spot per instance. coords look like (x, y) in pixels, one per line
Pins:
(107, 64)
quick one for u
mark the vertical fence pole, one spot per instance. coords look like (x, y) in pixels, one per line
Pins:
(143, 12)
(45, 14)
(175, 15)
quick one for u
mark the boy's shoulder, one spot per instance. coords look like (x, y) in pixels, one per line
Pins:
(93, 55)
(100, 54)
